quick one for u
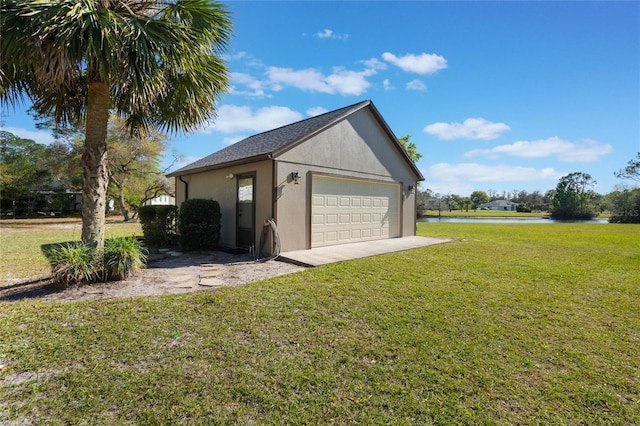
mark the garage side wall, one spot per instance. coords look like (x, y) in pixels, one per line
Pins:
(355, 148)
(215, 185)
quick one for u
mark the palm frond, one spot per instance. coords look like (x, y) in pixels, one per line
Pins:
(160, 58)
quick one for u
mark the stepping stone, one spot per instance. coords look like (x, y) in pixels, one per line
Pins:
(184, 285)
(211, 282)
(181, 278)
(211, 266)
(209, 273)
(174, 253)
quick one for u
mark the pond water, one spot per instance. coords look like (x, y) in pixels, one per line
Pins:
(516, 220)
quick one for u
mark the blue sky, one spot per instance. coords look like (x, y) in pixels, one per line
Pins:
(496, 95)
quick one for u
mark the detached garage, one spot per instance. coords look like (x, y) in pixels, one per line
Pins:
(337, 178)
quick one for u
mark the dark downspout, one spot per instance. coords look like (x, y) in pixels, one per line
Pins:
(186, 187)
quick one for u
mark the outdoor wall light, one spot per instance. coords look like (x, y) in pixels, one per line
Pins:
(230, 176)
(410, 188)
(295, 176)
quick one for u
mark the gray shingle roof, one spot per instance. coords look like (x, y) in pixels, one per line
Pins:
(263, 145)
(273, 142)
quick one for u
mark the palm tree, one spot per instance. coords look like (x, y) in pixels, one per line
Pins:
(154, 63)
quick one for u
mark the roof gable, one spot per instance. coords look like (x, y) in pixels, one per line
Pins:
(274, 142)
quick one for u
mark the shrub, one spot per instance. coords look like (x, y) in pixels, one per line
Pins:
(122, 257)
(199, 224)
(524, 208)
(158, 224)
(74, 263)
(77, 263)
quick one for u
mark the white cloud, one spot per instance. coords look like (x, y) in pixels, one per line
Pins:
(257, 86)
(348, 82)
(327, 33)
(235, 56)
(233, 118)
(462, 178)
(312, 112)
(417, 85)
(40, 136)
(386, 84)
(274, 79)
(472, 128)
(425, 63)
(490, 173)
(307, 79)
(375, 64)
(341, 81)
(566, 151)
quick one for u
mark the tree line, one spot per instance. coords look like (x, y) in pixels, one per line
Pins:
(572, 198)
(37, 179)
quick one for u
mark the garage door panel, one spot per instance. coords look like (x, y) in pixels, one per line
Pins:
(349, 210)
(317, 238)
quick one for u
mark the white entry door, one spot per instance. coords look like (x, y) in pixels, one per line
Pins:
(350, 210)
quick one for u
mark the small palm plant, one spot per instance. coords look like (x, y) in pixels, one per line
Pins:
(74, 263)
(122, 257)
(79, 263)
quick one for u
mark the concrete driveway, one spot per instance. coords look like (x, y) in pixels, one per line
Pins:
(323, 255)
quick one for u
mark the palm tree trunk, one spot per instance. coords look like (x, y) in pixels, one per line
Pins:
(94, 165)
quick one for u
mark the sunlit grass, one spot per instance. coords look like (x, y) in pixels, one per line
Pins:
(509, 324)
(21, 241)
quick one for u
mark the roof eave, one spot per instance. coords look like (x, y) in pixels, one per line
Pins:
(239, 162)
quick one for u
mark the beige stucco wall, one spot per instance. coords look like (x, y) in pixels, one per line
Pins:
(369, 154)
(214, 185)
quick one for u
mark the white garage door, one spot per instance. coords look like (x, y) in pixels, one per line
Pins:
(349, 210)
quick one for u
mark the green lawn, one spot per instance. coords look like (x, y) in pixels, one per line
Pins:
(21, 241)
(510, 324)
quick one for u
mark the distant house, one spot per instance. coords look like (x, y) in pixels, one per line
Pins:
(336, 178)
(499, 205)
(161, 200)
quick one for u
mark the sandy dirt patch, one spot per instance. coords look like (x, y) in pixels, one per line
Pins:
(176, 273)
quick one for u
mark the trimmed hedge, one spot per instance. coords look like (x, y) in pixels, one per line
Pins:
(158, 224)
(199, 224)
